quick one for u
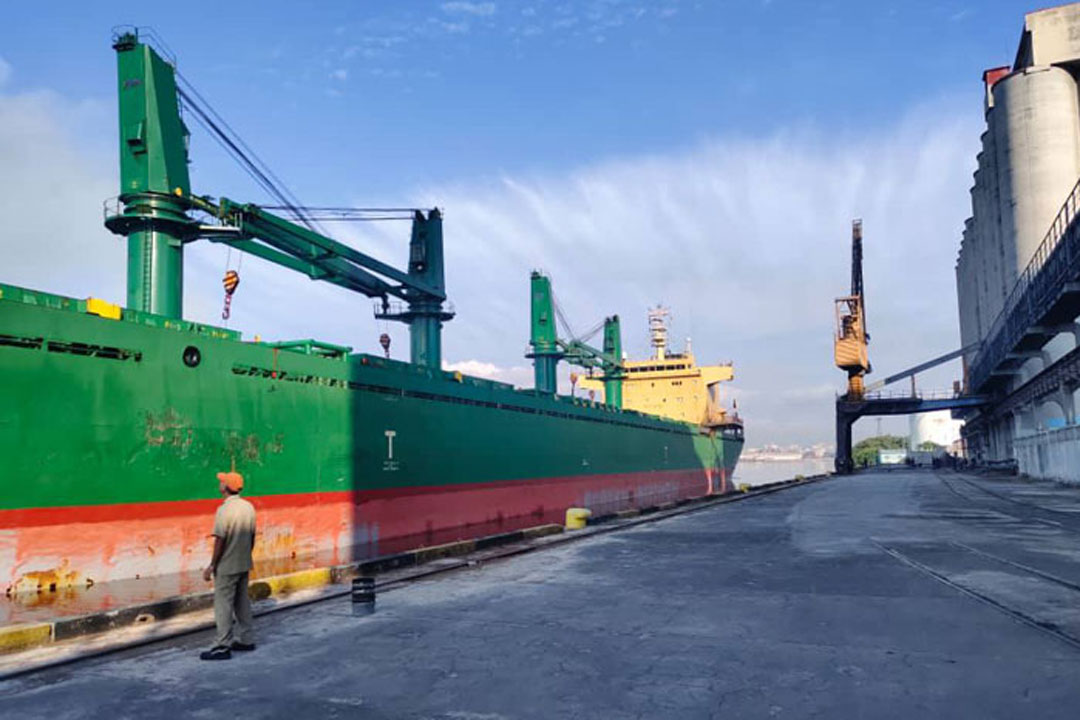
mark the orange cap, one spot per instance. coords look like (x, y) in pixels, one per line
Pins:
(233, 480)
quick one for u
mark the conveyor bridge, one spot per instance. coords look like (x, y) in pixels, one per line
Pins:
(1044, 302)
(849, 409)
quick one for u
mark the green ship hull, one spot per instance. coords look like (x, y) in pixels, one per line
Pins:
(113, 430)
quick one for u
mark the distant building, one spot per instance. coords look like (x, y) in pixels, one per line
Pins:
(921, 458)
(936, 427)
(892, 456)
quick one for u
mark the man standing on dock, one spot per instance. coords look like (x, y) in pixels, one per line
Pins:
(234, 535)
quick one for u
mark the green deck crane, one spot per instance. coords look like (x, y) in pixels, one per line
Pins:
(155, 191)
(548, 348)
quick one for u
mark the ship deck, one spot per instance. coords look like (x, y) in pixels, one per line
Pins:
(892, 594)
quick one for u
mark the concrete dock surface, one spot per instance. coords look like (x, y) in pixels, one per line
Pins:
(893, 594)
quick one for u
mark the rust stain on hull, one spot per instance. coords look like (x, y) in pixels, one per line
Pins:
(47, 582)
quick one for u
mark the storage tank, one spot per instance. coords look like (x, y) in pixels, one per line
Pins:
(985, 269)
(937, 427)
(999, 282)
(1037, 131)
(965, 299)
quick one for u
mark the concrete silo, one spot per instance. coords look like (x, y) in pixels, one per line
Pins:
(1037, 130)
(986, 260)
(999, 280)
(966, 298)
(1028, 165)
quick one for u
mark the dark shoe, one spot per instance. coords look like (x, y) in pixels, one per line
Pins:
(242, 647)
(217, 653)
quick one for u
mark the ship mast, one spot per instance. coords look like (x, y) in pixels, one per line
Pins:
(658, 330)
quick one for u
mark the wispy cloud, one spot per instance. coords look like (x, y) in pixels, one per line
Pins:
(454, 28)
(44, 154)
(517, 375)
(745, 238)
(5, 72)
(481, 9)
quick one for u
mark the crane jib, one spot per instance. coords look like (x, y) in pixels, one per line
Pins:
(157, 200)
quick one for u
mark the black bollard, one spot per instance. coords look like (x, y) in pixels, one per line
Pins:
(363, 595)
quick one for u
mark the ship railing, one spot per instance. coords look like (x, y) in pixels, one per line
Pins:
(147, 36)
(395, 308)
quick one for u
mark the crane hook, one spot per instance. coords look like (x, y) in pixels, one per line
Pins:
(231, 281)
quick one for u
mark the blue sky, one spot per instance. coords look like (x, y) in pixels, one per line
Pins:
(708, 155)
(421, 92)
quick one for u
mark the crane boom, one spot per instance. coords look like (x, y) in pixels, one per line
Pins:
(851, 336)
(157, 200)
(857, 288)
(320, 257)
(548, 348)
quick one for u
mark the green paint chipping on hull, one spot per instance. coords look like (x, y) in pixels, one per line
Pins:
(102, 411)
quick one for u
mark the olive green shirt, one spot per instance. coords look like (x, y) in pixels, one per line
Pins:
(234, 523)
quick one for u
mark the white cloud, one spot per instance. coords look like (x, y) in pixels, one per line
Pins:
(481, 9)
(746, 239)
(518, 375)
(340, 74)
(54, 180)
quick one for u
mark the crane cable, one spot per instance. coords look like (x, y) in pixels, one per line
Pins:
(235, 146)
(348, 214)
(561, 317)
(591, 332)
(252, 164)
(565, 323)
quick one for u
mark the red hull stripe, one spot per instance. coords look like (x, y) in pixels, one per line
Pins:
(63, 515)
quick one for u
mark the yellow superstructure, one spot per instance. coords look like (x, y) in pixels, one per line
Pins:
(670, 384)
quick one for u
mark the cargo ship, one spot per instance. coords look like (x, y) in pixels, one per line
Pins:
(116, 419)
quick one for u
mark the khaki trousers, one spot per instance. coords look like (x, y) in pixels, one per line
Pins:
(232, 610)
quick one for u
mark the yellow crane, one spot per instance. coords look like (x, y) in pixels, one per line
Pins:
(851, 336)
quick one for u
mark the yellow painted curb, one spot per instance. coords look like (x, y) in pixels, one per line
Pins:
(461, 547)
(280, 584)
(542, 531)
(20, 637)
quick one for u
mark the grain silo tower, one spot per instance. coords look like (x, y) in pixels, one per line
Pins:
(1028, 164)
